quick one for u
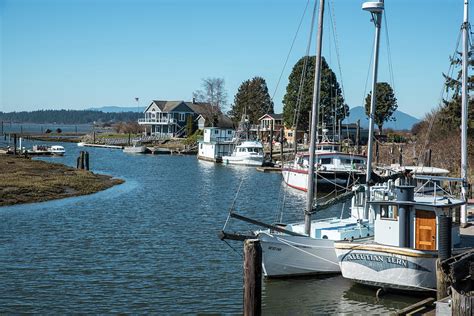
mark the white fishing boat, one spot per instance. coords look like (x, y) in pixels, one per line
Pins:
(57, 150)
(333, 168)
(411, 231)
(248, 153)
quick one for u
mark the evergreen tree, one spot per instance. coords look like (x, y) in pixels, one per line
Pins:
(330, 96)
(386, 104)
(252, 98)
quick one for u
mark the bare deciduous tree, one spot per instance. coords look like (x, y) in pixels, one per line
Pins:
(213, 92)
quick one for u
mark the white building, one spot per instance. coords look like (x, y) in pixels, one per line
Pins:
(217, 142)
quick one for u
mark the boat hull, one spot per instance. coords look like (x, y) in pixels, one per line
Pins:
(298, 179)
(243, 161)
(284, 256)
(387, 266)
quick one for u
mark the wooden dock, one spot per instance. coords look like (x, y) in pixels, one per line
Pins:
(99, 145)
(269, 169)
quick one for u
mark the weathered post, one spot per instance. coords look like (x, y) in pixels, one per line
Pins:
(441, 281)
(93, 137)
(429, 157)
(281, 145)
(81, 160)
(377, 153)
(86, 156)
(400, 157)
(129, 139)
(271, 142)
(14, 144)
(357, 140)
(252, 277)
(461, 303)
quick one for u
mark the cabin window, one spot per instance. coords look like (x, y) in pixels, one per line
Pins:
(346, 161)
(389, 212)
(216, 131)
(358, 161)
(326, 161)
(182, 117)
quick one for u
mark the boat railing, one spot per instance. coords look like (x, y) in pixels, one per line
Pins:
(434, 183)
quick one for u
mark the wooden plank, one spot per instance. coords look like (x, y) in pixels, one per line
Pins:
(417, 306)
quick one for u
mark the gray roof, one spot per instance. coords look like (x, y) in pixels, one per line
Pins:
(202, 108)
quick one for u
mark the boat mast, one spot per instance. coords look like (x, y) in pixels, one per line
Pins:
(464, 106)
(314, 122)
(375, 9)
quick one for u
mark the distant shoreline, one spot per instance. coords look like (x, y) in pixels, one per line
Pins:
(24, 180)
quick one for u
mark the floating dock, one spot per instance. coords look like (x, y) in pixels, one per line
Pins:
(99, 145)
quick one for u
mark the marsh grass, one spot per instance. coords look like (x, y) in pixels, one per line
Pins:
(25, 181)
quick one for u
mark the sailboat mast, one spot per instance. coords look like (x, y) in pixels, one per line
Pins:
(314, 122)
(464, 106)
(375, 9)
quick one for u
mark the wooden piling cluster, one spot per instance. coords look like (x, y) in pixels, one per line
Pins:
(456, 275)
(83, 160)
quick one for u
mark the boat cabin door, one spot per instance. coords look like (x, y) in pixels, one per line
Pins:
(425, 234)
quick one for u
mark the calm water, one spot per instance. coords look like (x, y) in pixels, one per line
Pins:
(150, 245)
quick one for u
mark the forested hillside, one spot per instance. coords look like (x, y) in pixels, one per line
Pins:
(67, 116)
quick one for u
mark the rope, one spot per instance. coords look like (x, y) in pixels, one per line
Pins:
(238, 252)
(306, 252)
(289, 52)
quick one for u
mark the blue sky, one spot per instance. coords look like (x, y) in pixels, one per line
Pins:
(77, 54)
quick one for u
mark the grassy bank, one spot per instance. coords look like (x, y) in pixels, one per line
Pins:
(26, 181)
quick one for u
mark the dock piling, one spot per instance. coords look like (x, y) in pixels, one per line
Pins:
(252, 277)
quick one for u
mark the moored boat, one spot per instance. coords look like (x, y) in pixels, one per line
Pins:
(248, 153)
(57, 150)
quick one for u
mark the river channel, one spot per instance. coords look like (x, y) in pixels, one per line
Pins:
(150, 245)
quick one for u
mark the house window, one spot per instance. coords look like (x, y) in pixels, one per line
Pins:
(290, 134)
(216, 131)
(182, 117)
(229, 132)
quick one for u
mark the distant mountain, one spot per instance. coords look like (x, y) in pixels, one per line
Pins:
(403, 121)
(118, 109)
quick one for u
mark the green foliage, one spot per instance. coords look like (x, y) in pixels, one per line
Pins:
(189, 125)
(67, 116)
(330, 95)
(252, 98)
(193, 139)
(386, 104)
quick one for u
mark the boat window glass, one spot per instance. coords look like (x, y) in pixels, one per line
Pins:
(389, 212)
(326, 161)
(346, 161)
(358, 161)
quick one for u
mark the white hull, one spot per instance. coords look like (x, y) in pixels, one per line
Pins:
(284, 255)
(244, 161)
(388, 266)
(299, 179)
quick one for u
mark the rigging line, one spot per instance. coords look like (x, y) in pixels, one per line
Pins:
(289, 52)
(443, 90)
(237, 252)
(389, 52)
(307, 252)
(303, 73)
(368, 72)
(332, 18)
